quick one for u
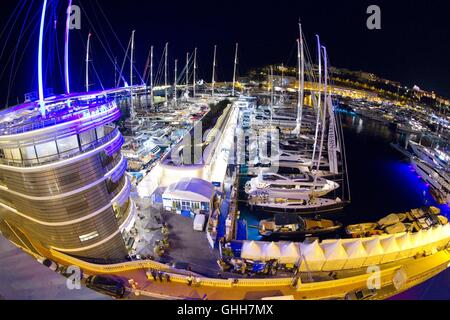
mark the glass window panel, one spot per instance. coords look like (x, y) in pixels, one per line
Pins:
(68, 144)
(16, 154)
(87, 137)
(46, 149)
(8, 154)
(28, 153)
(100, 132)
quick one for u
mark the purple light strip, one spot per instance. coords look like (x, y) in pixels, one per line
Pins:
(66, 49)
(40, 79)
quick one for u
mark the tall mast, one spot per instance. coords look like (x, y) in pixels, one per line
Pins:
(324, 110)
(87, 61)
(235, 68)
(151, 76)
(301, 81)
(271, 95)
(175, 82)
(66, 49)
(187, 74)
(319, 104)
(132, 58)
(214, 71)
(165, 71)
(131, 74)
(194, 83)
(40, 78)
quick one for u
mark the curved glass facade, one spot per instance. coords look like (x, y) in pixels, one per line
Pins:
(63, 184)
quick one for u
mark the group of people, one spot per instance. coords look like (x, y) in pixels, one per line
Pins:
(158, 275)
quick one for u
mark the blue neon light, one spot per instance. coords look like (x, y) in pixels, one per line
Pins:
(66, 49)
(40, 81)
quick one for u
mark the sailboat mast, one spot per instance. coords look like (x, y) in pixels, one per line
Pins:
(214, 71)
(87, 61)
(151, 76)
(301, 80)
(271, 95)
(131, 74)
(235, 68)
(66, 49)
(319, 103)
(175, 82)
(187, 74)
(165, 71)
(194, 83)
(324, 113)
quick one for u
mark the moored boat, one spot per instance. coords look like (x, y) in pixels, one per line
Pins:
(293, 226)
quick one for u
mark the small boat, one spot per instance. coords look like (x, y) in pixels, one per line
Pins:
(392, 219)
(361, 230)
(294, 226)
(399, 228)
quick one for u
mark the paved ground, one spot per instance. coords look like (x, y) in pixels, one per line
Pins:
(187, 245)
(23, 278)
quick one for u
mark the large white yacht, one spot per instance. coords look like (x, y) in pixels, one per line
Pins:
(437, 178)
(292, 187)
(434, 157)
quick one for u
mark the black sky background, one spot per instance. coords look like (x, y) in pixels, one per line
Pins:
(413, 46)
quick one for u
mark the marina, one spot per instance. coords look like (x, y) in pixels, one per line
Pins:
(288, 181)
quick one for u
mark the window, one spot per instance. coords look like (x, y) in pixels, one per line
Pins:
(87, 137)
(16, 154)
(46, 149)
(100, 132)
(88, 236)
(28, 153)
(68, 144)
(7, 154)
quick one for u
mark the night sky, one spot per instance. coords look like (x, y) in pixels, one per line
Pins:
(413, 46)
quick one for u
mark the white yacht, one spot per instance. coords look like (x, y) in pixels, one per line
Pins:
(437, 178)
(434, 157)
(298, 206)
(292, 187)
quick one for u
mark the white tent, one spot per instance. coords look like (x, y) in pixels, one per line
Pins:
(335, 255)
(356, 253)
(417, 241)
(405, 245)
(290, 253)
(390, 247)
(429, 237)
(444, 235)
(271, 251)
(374, 251)
(251, 250)
(312, 257)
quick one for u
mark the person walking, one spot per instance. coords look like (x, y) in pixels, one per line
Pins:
(160, 276)
(154, 275)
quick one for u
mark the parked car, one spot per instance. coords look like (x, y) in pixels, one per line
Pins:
(107, 286)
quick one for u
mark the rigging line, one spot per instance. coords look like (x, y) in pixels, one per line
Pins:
(11, 56)
(21, 34)
(110, 56)
(121, 45)
(123, 64)
(12, 27)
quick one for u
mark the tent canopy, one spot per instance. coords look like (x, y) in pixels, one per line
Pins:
(312, 251)
(271, 251)
(251, 250)
(193, 189)
(334, 250)
(290, 253)
(389, 244)
(354, 248)
(373, 246)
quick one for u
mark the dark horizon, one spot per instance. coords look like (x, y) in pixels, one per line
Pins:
(410, 48)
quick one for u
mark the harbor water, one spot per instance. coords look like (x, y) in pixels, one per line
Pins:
(381, 182)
